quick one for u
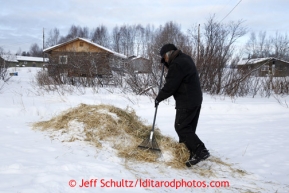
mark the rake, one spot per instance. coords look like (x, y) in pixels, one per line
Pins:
(151, 143)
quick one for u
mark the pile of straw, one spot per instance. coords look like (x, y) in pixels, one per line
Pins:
(123, 129)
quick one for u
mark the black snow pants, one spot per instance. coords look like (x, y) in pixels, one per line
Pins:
(186, 122)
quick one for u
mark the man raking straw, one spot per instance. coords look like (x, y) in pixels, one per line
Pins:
(182, 82)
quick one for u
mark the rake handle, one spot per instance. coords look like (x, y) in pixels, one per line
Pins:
(155, 116)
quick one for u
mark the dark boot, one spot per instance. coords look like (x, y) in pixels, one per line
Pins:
(201, 154)
(192, 157)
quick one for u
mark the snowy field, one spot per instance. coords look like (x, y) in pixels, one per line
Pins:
(248, 135)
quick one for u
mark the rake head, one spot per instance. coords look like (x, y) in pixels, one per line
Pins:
(150, 143)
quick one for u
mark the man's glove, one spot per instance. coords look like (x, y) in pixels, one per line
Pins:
(156, 103)
(164, 62)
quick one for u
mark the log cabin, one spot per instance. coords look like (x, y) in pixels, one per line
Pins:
(81, 57)
(263, 67)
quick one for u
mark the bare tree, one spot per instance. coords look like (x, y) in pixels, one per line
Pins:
(3, 68)
(127, 40)
(83, 33)
(262, 46)
(280, 46)
(132, 40)
(35, 50)
(257, 46)
(53, 37)
(19, 51)
(74, 32)
(24, 53)
(150, 41)
(216, 50)
(101, 36)
(139, 42)
(116, 39)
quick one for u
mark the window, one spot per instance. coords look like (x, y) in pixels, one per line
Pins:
(62, 59)
(81, 44)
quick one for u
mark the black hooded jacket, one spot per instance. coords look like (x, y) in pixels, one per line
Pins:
(182, 81)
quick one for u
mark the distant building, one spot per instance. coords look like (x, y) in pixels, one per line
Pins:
(11, 60)
(265, 66)
(138, 64)
(83, 58)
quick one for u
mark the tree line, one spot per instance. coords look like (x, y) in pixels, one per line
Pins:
(261, 45)
(126, 39)
(213, 46)
(139, 39)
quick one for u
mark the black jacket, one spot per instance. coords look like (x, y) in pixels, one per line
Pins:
(182, 81)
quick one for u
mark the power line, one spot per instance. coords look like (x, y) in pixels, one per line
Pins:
(231, 11)
(215, 6)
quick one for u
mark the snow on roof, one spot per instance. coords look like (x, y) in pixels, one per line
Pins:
(137, 57)
(252, 61)
(9, 58)
(32, 59)
(257, 60)
(90, 42)
(15, 58)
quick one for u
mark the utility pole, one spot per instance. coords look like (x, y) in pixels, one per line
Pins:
(43, 50)
(198, 59)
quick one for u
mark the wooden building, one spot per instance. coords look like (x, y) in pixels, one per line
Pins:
(265, 66)
(138, 64)
(11, 60)
(83, 58)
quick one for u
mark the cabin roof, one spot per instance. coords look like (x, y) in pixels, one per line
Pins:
(89, 42)
(246, 61)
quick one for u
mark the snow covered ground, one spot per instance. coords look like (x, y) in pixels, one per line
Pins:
(249, 137)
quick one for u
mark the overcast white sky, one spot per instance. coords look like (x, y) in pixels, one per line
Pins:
(22, 21)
